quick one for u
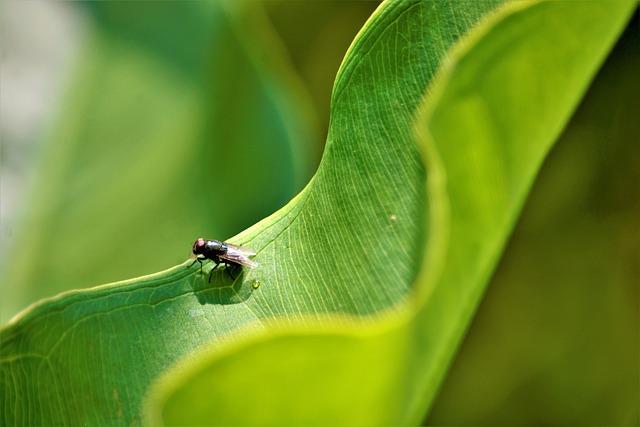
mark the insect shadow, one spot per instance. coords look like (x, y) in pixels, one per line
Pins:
(226, 287)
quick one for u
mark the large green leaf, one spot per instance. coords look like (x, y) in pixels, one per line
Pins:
(558, 327)
(153, 148)
(486, 131)
(88, 356)
(349, 243)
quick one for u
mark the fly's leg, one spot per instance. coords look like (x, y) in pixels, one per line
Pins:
(197, 260)
(211, 272)
(228, 268)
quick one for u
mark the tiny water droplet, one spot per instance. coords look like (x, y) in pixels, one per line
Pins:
(393, 217)
(255, 284)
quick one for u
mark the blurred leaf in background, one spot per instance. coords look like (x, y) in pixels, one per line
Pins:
(556, 340)
(317, 34)
(176, 124)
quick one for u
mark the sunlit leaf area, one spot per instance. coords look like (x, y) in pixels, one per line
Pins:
(407, 212)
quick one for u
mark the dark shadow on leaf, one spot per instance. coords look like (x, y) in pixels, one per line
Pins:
(223, 289)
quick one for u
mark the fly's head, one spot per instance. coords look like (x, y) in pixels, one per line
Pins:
(198, 246)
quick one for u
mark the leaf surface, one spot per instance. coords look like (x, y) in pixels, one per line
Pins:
(568, 280)
(491, 119)
(87, 357)
(351, 243)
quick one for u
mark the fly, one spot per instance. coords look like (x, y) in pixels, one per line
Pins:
(222, 253)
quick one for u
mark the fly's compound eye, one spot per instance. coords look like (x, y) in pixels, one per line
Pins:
(198, 245)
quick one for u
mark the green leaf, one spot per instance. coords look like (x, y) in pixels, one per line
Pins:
(349, 243)
(486, 131)
(132, 171)
(87, 357)
(568, 280)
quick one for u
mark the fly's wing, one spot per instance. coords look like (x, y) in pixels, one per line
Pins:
(240, 250)
(240, 256)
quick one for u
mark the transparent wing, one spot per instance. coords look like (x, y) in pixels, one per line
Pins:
(240, 255)
(239, 259)
(240, 250)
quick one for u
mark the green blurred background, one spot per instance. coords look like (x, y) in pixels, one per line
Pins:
(130, 128)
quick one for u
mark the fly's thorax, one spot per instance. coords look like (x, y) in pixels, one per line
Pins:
(216, 247)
